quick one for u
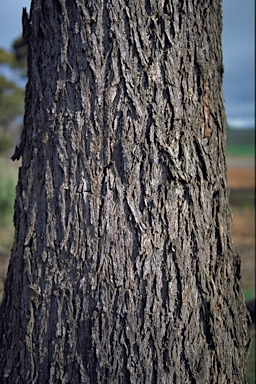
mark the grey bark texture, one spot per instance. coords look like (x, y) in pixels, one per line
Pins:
(123, 268)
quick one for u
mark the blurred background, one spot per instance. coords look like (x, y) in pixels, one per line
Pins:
(238, 89)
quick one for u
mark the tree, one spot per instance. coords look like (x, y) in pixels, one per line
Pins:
(123, 268)
(20, 55)
(11, 94)
(11, 101)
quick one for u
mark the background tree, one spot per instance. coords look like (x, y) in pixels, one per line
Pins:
(11, 101)
(20, 55)
(12, 93)
(123, 268)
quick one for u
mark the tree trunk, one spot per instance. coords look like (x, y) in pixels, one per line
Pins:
(123, 268)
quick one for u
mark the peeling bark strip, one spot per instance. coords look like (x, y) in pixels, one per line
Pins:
(207, 111)
(122, 268)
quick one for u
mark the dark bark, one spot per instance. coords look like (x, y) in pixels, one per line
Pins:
(123, 268)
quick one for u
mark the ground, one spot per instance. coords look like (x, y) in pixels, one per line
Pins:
(241, 181)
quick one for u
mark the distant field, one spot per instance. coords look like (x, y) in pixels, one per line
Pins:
(240, 136)
(240, 142)
(240, 150)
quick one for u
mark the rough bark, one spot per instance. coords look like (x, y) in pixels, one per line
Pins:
(123, 268)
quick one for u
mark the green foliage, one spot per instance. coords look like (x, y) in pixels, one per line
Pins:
(12, 95)
(20, 55)
(8, 179)
(11, 101)
(17, 59)
(6, 57)
(5, 143)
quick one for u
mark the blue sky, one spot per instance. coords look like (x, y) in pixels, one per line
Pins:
(238, 53)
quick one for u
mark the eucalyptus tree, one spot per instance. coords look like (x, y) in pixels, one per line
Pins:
(123, 268)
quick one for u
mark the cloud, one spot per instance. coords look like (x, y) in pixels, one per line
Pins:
(239, 123)
(238, 55)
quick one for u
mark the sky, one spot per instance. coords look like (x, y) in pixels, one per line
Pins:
(238, 53)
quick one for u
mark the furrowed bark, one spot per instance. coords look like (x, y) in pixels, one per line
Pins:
(123, 268)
